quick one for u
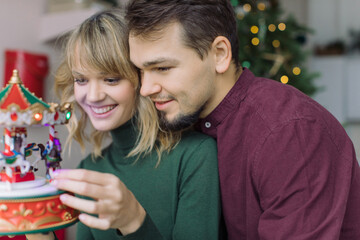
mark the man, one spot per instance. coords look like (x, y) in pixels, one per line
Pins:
(287, 167)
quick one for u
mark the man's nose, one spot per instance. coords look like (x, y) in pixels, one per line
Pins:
(149, 85)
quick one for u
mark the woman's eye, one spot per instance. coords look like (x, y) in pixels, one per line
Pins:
(80, 81)
(112, 81)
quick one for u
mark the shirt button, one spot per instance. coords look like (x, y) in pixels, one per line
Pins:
(207, 124)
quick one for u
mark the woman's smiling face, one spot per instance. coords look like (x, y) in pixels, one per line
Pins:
(108, 100)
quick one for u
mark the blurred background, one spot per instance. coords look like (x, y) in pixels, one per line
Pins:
(313, 45)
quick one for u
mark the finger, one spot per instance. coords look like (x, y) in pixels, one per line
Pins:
(84, 175)
(94, 222)
(89, 206)
(84, 205)
(40, 236)
(82, 188)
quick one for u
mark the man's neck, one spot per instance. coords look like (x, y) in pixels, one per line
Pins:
(224, 82)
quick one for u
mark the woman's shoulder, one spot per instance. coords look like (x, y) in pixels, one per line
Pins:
(195, 143)
(193, 137)
(196, 152)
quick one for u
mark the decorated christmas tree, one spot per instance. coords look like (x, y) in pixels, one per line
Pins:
(272, 45)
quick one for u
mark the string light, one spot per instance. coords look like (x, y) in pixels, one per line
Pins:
(284, 79)
(255, 41)
(246, 64)
(272, 27)
(282, 26)
(254, 29)
(240, 16)
(276, 43)
(296, 71)
(247, 7)
(68, 115)
(261, 6)
(38, 116)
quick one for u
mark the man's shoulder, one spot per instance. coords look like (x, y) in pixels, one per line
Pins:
(275, 102)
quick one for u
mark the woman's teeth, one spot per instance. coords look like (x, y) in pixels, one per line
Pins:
(103, 110)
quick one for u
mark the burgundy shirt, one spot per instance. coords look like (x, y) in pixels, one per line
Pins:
(287, 168)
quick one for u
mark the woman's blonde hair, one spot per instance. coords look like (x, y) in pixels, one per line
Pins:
(102, 41)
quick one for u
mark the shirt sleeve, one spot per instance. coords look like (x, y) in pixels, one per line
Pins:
(198, 210)
(147, 231)
(303, 179)
(83, 232)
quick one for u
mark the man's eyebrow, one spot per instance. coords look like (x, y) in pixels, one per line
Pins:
(159, 61)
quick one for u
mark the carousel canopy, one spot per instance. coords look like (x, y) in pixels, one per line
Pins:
(20, 107)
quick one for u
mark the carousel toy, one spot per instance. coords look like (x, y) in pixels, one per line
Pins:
(29, 203)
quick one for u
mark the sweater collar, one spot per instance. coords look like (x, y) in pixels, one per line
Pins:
(124, 137)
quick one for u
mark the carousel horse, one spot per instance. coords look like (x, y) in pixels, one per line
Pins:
(52, 158)
(13, 160)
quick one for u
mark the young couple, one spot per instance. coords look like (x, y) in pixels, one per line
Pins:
(287, 168)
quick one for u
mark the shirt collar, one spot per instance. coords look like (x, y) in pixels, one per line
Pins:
(236, 94)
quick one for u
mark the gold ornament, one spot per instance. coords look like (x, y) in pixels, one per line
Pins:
(279, 60)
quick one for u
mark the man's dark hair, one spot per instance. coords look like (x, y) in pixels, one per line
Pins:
(202, 21)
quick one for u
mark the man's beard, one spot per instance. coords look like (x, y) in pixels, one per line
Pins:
(180, 122)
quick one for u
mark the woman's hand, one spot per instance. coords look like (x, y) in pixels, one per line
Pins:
(40, 236)
(115, 205)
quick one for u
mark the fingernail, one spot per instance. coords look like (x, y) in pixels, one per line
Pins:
(55, 173)
(63, 198)
(54, 182)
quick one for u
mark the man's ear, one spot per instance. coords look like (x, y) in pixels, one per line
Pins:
(222, 49)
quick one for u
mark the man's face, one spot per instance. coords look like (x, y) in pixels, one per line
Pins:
(179, 83)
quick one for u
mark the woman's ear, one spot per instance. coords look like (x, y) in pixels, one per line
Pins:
(222, 49)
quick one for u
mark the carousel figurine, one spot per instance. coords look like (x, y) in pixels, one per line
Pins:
(51, 154)
(29, 203)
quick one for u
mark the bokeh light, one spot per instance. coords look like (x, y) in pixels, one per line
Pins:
(282, 26)
(254, 29)
(272, 27)
(284, 79)
(276, 43)
(255, 41)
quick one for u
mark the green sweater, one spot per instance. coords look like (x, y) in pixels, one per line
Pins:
(181, 195)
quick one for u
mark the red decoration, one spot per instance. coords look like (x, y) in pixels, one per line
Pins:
(56, 116)
(15, 97)
(33, 69)
(40, 213)
(59, 233)
(14, 116)
(29, 176)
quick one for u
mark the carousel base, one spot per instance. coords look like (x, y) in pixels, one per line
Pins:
(33, 207)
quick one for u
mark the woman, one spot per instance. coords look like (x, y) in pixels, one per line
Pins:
(147, 184)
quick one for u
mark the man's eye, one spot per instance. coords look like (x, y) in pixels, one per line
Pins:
(163, 69)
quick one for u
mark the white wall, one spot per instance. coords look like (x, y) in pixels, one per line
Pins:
(332, 19)
(298, 8)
